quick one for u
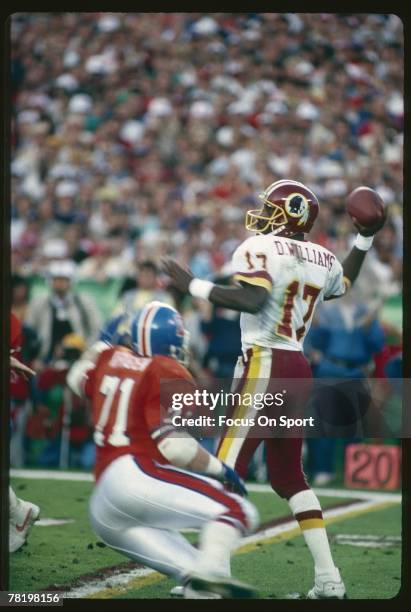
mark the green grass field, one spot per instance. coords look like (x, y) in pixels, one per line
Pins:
(59, 556)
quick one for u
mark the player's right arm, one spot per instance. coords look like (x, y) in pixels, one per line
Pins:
(251, 293)
(245, 298)
(178, 447)
(255, 284)
(80, 376)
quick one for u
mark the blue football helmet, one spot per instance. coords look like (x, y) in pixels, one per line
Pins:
(116, 331)
(158, 329)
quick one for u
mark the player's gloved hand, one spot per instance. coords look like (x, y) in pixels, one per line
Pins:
(232, 481)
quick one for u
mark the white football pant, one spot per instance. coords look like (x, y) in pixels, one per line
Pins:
(139, 506)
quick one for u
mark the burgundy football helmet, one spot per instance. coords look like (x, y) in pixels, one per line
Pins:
(293, 209)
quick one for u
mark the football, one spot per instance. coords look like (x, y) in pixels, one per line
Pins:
(365, 205)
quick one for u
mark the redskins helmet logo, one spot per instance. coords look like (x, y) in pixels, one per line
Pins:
(296, 205)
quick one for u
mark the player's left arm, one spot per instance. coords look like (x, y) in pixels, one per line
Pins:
(175, 444)
(352, 264)
(183, 451)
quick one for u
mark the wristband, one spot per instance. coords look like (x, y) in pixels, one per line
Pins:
(363, 242)
(214, 467)
(200, 288)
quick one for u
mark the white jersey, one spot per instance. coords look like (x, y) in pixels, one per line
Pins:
(298, 276)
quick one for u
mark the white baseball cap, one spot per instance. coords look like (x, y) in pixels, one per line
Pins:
(306, 110)
(201, 109)
(62, 269)
(132, 131)
(66, 81)
(55, 247)
(159, 107)
(80, 103)
(66, 189)
(108, 23)
(205, 26)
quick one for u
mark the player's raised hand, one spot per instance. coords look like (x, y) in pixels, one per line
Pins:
(366, 209)
(233, 481)
(180, 277)
(370, 230)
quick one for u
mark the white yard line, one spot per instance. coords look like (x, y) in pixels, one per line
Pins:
(256, 488)
(114, 581)
(347, 493)
(51, 522)
(51, 475)
(113, 586)
(270, 532)
(367, 541)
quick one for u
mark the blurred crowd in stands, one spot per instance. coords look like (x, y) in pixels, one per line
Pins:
(139, 135)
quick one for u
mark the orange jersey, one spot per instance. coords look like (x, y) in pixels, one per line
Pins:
(126, 406)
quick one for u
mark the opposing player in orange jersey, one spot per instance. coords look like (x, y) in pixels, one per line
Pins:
(152, 480)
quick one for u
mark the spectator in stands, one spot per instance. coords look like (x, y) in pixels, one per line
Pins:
(109, 138)
(148, 289)
(341, 343)
(62, 311)
(59, 431)
(20, 293)
(95, 266)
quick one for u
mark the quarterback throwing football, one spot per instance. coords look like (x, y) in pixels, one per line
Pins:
(282, 277)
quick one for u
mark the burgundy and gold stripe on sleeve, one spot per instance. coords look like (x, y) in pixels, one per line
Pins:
(311, 519)
(259, 278)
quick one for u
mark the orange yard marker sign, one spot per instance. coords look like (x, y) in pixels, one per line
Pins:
(372, 466)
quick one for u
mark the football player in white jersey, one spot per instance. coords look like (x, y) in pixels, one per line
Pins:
(281, 278)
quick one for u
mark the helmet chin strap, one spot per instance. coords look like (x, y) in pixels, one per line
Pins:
(273, 232)
(278, 230)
